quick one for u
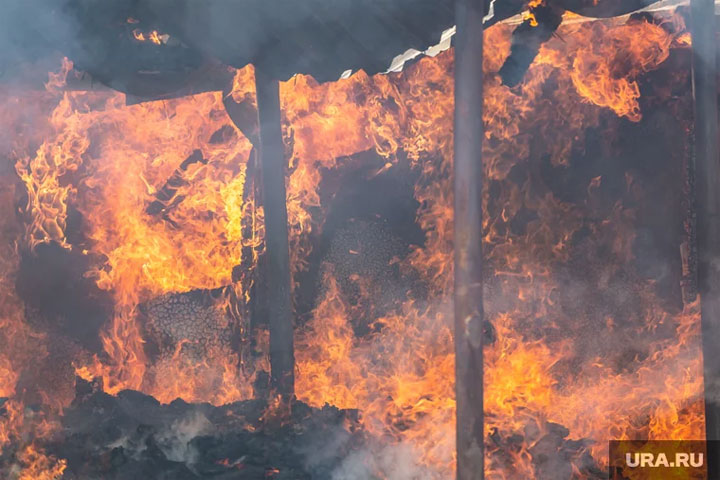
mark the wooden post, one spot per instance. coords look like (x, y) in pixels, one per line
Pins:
(468, 177)
(707, 188)
(272, 161)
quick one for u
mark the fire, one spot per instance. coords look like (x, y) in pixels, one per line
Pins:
(22, 347)
(168, 206)
(38, 466)
(597, 69)
(400, 377)
(153, 36)
(126, 155)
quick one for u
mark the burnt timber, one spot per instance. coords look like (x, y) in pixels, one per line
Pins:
(272, 161)
(707, 172)
(467, 179)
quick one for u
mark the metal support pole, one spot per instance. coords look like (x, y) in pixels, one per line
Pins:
(468, 175)
(707, 182)
(272, 160)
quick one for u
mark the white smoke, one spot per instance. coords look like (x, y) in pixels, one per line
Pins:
(389, 462)
(175, 440)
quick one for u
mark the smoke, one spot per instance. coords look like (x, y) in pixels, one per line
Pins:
(390, 462)
(174, 441)
(322, 453)
(338, 456)
(32, 37)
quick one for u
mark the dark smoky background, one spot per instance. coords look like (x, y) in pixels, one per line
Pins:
(281, 37)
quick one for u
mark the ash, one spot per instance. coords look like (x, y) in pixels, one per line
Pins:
(133, 436)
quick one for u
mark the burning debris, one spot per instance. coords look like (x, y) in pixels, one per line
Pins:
(132, 435)
(136, 308)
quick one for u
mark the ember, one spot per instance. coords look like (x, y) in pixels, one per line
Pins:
(142, 302)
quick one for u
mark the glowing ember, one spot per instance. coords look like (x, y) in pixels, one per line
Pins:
(153, 36)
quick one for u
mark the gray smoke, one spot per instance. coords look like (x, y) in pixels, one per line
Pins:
(32, 35)
(389, 462)
(175, 440)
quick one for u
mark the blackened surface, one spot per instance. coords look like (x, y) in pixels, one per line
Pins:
(707, 168)
(131, 435)
(273, 165)
(52, 283)
(526, 42)
(321, 38)
(370, 225)
(468, 258)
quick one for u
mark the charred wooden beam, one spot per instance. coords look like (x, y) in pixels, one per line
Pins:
(243, 114)
(707, 174)
(527, 40)
(468, 176)
(165, 197)
(272, 161)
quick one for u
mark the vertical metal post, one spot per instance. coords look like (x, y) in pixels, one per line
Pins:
(707, 184)
(272, 161)
(468, 175)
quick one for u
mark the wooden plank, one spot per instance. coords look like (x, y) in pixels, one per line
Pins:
(272, 161)
(468, 265)
(707, 175)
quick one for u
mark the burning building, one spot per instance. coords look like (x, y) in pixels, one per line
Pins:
(238, 238)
